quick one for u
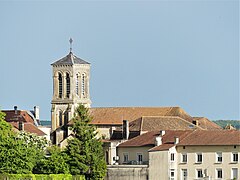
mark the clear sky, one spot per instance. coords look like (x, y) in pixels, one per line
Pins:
(142, 53)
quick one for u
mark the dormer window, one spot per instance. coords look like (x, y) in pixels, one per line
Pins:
(60, 85)
(68, 84)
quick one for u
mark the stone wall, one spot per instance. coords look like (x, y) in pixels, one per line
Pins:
(127, 172)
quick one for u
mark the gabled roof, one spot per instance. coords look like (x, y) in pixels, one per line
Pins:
(153, 123)
(221, 137)
(70, 59)
(16, 116)
(148, 139)
(29, 127)
(205, 123)
(115, 115)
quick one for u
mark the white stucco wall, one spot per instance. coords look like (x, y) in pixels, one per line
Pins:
(209, 161)
(158, 165)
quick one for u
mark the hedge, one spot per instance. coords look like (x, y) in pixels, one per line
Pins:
(41, 177)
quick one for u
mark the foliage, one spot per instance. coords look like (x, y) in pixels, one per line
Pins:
(32, 140)
(41, 177)
(17, 156)
(224, 123)
(5, 128)
(53, 163)
(84, 151)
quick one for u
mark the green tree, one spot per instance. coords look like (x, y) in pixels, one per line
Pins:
(84, 151)
(32, 140)
(53, 163)
(5, 128)
(16, 155)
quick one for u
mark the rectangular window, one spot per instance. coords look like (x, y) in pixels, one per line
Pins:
(139, 158)
(125, 157)
(219, 157)
(235, 173)
(234, 157)
(172, 174)
(199, 173)
(184, 158)
(172, 157)
(184, 174)
(199, 158)
(219, 173)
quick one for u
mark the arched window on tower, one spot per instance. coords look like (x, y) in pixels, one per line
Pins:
(77, 86)
(60, 85)
(68, 84)
(83, 84)
(65, 117)
(60, 118)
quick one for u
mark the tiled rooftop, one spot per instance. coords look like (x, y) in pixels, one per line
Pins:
(29, 127)
(221, 137)
(149, 138)
(115, 115)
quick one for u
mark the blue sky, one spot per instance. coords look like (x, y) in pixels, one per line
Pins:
(142, 53)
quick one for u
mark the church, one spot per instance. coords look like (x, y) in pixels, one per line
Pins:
(142, 142)
(71, 76)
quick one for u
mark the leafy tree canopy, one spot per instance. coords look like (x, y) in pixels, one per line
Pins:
(18, 152)
(53, 163)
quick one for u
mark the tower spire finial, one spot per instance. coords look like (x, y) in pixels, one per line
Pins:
(70, 41)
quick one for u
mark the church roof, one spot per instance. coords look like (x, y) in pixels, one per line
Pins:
(153, 123)
(70, 59)
(115, 115)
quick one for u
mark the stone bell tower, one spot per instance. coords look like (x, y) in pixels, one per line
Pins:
(70, 88)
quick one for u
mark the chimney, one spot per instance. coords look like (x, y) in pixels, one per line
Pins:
(111, 130)
(36, 112)
(158, 141)
(162, 132)
(20, 126)
(15, 109)
(195, 122)
(125, 129)
(176, 140)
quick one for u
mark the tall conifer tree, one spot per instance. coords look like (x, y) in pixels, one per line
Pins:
(85, 152)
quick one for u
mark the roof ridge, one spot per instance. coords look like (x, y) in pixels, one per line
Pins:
(177, 117)
(164, 116)
(135, 107)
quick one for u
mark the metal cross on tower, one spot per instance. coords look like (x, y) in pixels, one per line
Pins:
(71, 41)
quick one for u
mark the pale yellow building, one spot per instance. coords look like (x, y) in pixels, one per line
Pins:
(200, 155)
(185, 154)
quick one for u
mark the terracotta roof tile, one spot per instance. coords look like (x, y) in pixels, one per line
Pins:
(115, 115)
(149, 138)
(29, 127)
(19, 116)
(205, 123)
(153, 123)
(221, 137)
(162, 147)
